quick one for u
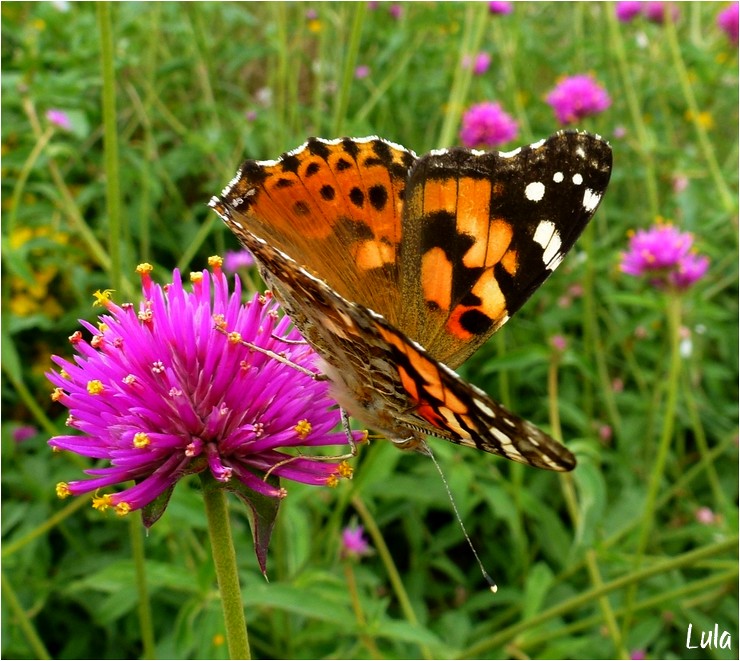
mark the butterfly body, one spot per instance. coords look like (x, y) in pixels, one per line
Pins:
(396, 268)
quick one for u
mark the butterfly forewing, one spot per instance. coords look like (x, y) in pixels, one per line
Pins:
(483, 230)
(335, 205)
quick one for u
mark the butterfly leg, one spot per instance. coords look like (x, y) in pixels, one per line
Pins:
(316, 376)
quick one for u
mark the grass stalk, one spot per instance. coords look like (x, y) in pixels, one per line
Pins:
(110, 145)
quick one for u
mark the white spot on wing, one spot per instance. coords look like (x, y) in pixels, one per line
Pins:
(591, 199)
(557, 177)
(547, 236)
(535, 191)
(509, 154)
(538, 144)
(577, 179)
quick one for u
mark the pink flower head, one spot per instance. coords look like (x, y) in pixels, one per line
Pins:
(479, 63)
(500, 7)
(626, 11)
(705, 516)
(237, 259)
(354, 543)
(487, 125)
(362, 71)
(559, 343)
(663, 254)
(24, 432)
(170, 389)
(657, 12)
(59, 118)
(395, 10)
(727, 20)
(576, 97)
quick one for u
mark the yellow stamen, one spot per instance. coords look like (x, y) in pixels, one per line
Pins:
(95, 387)
(102, 503)
(234, 337)
(220, 321)
(144, 267)
(57, 394)
(196, 276)
(215, 260)
(102, 297)
(63, 490)
(332, 481)
(345, 470)
(123, 508)
(141, 440)
(303, 429)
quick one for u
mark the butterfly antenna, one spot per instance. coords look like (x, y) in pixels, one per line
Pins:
(491, 583)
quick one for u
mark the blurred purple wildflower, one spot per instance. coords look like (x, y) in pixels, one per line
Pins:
(59, 118)
(354, 543)
(658, 12)
(237, 259)
(311, 14)
(250, 115)
(663, 253)
(559, 343)
(24, 432)
(162, 393)
(705, 516)
(727, 20)
(626, 11)
(362, 71)
(576, 97)
(479, 63)
(487, 125)
(500, 7)
(395, 10)
(638, 655)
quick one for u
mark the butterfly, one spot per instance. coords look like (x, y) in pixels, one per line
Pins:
(397, 267)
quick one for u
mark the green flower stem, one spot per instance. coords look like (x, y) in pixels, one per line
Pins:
(20, 184)
(24, 622)
(350, 59)
(110, 143)
(385, 555)
(643, 143)
(673, 381)
(367, 640)
(9, 548)
(145, 611)
(224, 560)
(571, 500)
(475, 25)
(704, 587)
(728, 199)
(572, 605)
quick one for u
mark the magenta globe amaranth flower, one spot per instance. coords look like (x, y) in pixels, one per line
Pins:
(487, 125)
(576, 97)
(627, 10)
(354, 543)
(171, 389)
(59, 118)
(727, 20)
(496, 7)
(664, 254)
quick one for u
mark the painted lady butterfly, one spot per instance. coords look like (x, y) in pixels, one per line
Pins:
(395, 267)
